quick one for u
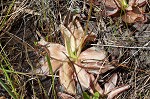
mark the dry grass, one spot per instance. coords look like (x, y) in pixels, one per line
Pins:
(21, 20)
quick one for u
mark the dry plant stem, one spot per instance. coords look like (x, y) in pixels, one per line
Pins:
(128, 67)
(28, 74)
(19, 40)
(123, 63)
(98, 74)
(29, 62)
(3, 23)
(115, 46)
(7, 24)
(135, 53)
(86, 29)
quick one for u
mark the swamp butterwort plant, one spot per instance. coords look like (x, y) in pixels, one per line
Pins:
(133, 9)
(75, 65)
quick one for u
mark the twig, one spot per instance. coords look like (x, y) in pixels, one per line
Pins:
(115, 46)
(134, 53)
(27, 74)
(19, 40)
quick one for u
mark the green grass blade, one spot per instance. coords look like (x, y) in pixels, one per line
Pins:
(9, 81)
(4, 19)
(7, 89)
(51, 71)
(85, 96)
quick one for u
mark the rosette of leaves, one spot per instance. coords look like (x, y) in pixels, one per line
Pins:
(133, 9)
(74, 64)
(71, 61)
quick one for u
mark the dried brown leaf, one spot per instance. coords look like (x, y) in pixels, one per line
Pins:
(110, 84)
(66, 78)
(83, 76)
(91, 59)
(116, 91)
(65, 96)
(111, 7)
(141, 3)
(92, 54)
(77, 31)
(44, 69)
(131, 2)
(89, 37)
(74, 32)
(96, 85)
(56, 51)
(97, 67)
(132, 17)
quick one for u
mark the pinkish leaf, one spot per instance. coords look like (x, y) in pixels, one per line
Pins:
(56, 51)
(83, 76)
(91, 59)
(116, 91)
(69, 41)
(111, 7)
(111, 83)
(97, 67)
(77, 31)
(44, 69)
(65, 31)
(92, 54)
(131, 2)
(132, 17)
(96, 85)
(141, 3)
(74, 32)
(65, 96)
(66, 78)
